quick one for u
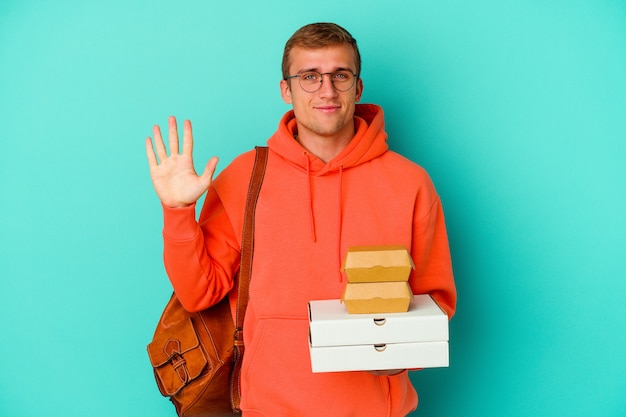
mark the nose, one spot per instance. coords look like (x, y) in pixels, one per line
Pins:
(327, 88)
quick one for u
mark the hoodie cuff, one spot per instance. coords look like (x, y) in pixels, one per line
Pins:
(180, 223)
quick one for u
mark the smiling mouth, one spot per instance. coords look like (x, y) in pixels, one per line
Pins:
(327, 108)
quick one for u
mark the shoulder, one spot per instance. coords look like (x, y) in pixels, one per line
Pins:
(411, 177)
(405, 167)
(239, 168)
(242, 162)
(232, 183)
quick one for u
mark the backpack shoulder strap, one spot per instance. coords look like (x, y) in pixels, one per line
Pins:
(245, 269)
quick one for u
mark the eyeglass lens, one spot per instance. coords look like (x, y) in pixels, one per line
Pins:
(311, 81)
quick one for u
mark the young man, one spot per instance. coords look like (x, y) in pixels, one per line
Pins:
(331, 183)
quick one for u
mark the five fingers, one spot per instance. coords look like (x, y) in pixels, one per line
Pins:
(177, 164)
(161, 151)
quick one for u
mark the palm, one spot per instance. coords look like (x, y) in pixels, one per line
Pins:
(174, 178)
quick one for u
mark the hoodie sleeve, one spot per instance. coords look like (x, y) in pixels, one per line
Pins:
(201, 258)
(431, 254)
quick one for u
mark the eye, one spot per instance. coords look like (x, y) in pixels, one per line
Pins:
(309, 76)
(342, 76)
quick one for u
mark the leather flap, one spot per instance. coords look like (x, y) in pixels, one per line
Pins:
(176, 357)
(177, 338)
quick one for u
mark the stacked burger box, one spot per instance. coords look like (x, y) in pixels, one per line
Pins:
(377, 279)
(378, 324)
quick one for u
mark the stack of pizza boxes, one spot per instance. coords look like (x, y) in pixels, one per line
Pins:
(378, 324)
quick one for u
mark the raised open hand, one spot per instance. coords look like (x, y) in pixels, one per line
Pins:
(174, 178)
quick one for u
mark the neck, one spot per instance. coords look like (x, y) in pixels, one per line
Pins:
(324, 147)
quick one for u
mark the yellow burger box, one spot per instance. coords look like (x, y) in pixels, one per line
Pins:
(378, 263)
(377, 279)
(340, 341)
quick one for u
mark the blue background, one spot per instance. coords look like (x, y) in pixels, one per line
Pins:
(517, 110)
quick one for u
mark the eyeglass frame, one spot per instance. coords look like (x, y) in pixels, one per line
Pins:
(332, 82)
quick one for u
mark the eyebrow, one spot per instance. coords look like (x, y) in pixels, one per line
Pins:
(316, 69)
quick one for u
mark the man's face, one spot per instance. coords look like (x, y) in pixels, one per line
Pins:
(326, 113)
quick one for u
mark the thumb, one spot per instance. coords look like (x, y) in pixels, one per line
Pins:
(209, 170)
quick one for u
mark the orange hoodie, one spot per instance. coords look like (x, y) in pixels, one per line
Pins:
(308, 214)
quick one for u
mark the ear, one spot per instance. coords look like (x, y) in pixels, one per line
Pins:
(359, 90)
(285, 91)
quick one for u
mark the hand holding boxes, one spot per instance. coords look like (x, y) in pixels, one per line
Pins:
(382, 325)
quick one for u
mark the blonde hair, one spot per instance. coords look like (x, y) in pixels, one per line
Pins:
(319, 35)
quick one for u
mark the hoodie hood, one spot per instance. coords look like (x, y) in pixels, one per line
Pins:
(369, 142)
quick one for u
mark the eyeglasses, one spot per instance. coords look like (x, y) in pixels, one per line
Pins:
(311, 81)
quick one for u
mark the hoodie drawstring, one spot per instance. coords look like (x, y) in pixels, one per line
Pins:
(339, 211)
(311, 216)
(340, 221)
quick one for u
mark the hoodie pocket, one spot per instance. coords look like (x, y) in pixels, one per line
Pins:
(274, 365)
(278, 381)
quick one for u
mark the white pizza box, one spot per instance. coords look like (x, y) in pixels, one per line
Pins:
(379, 357)
(330, 324)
